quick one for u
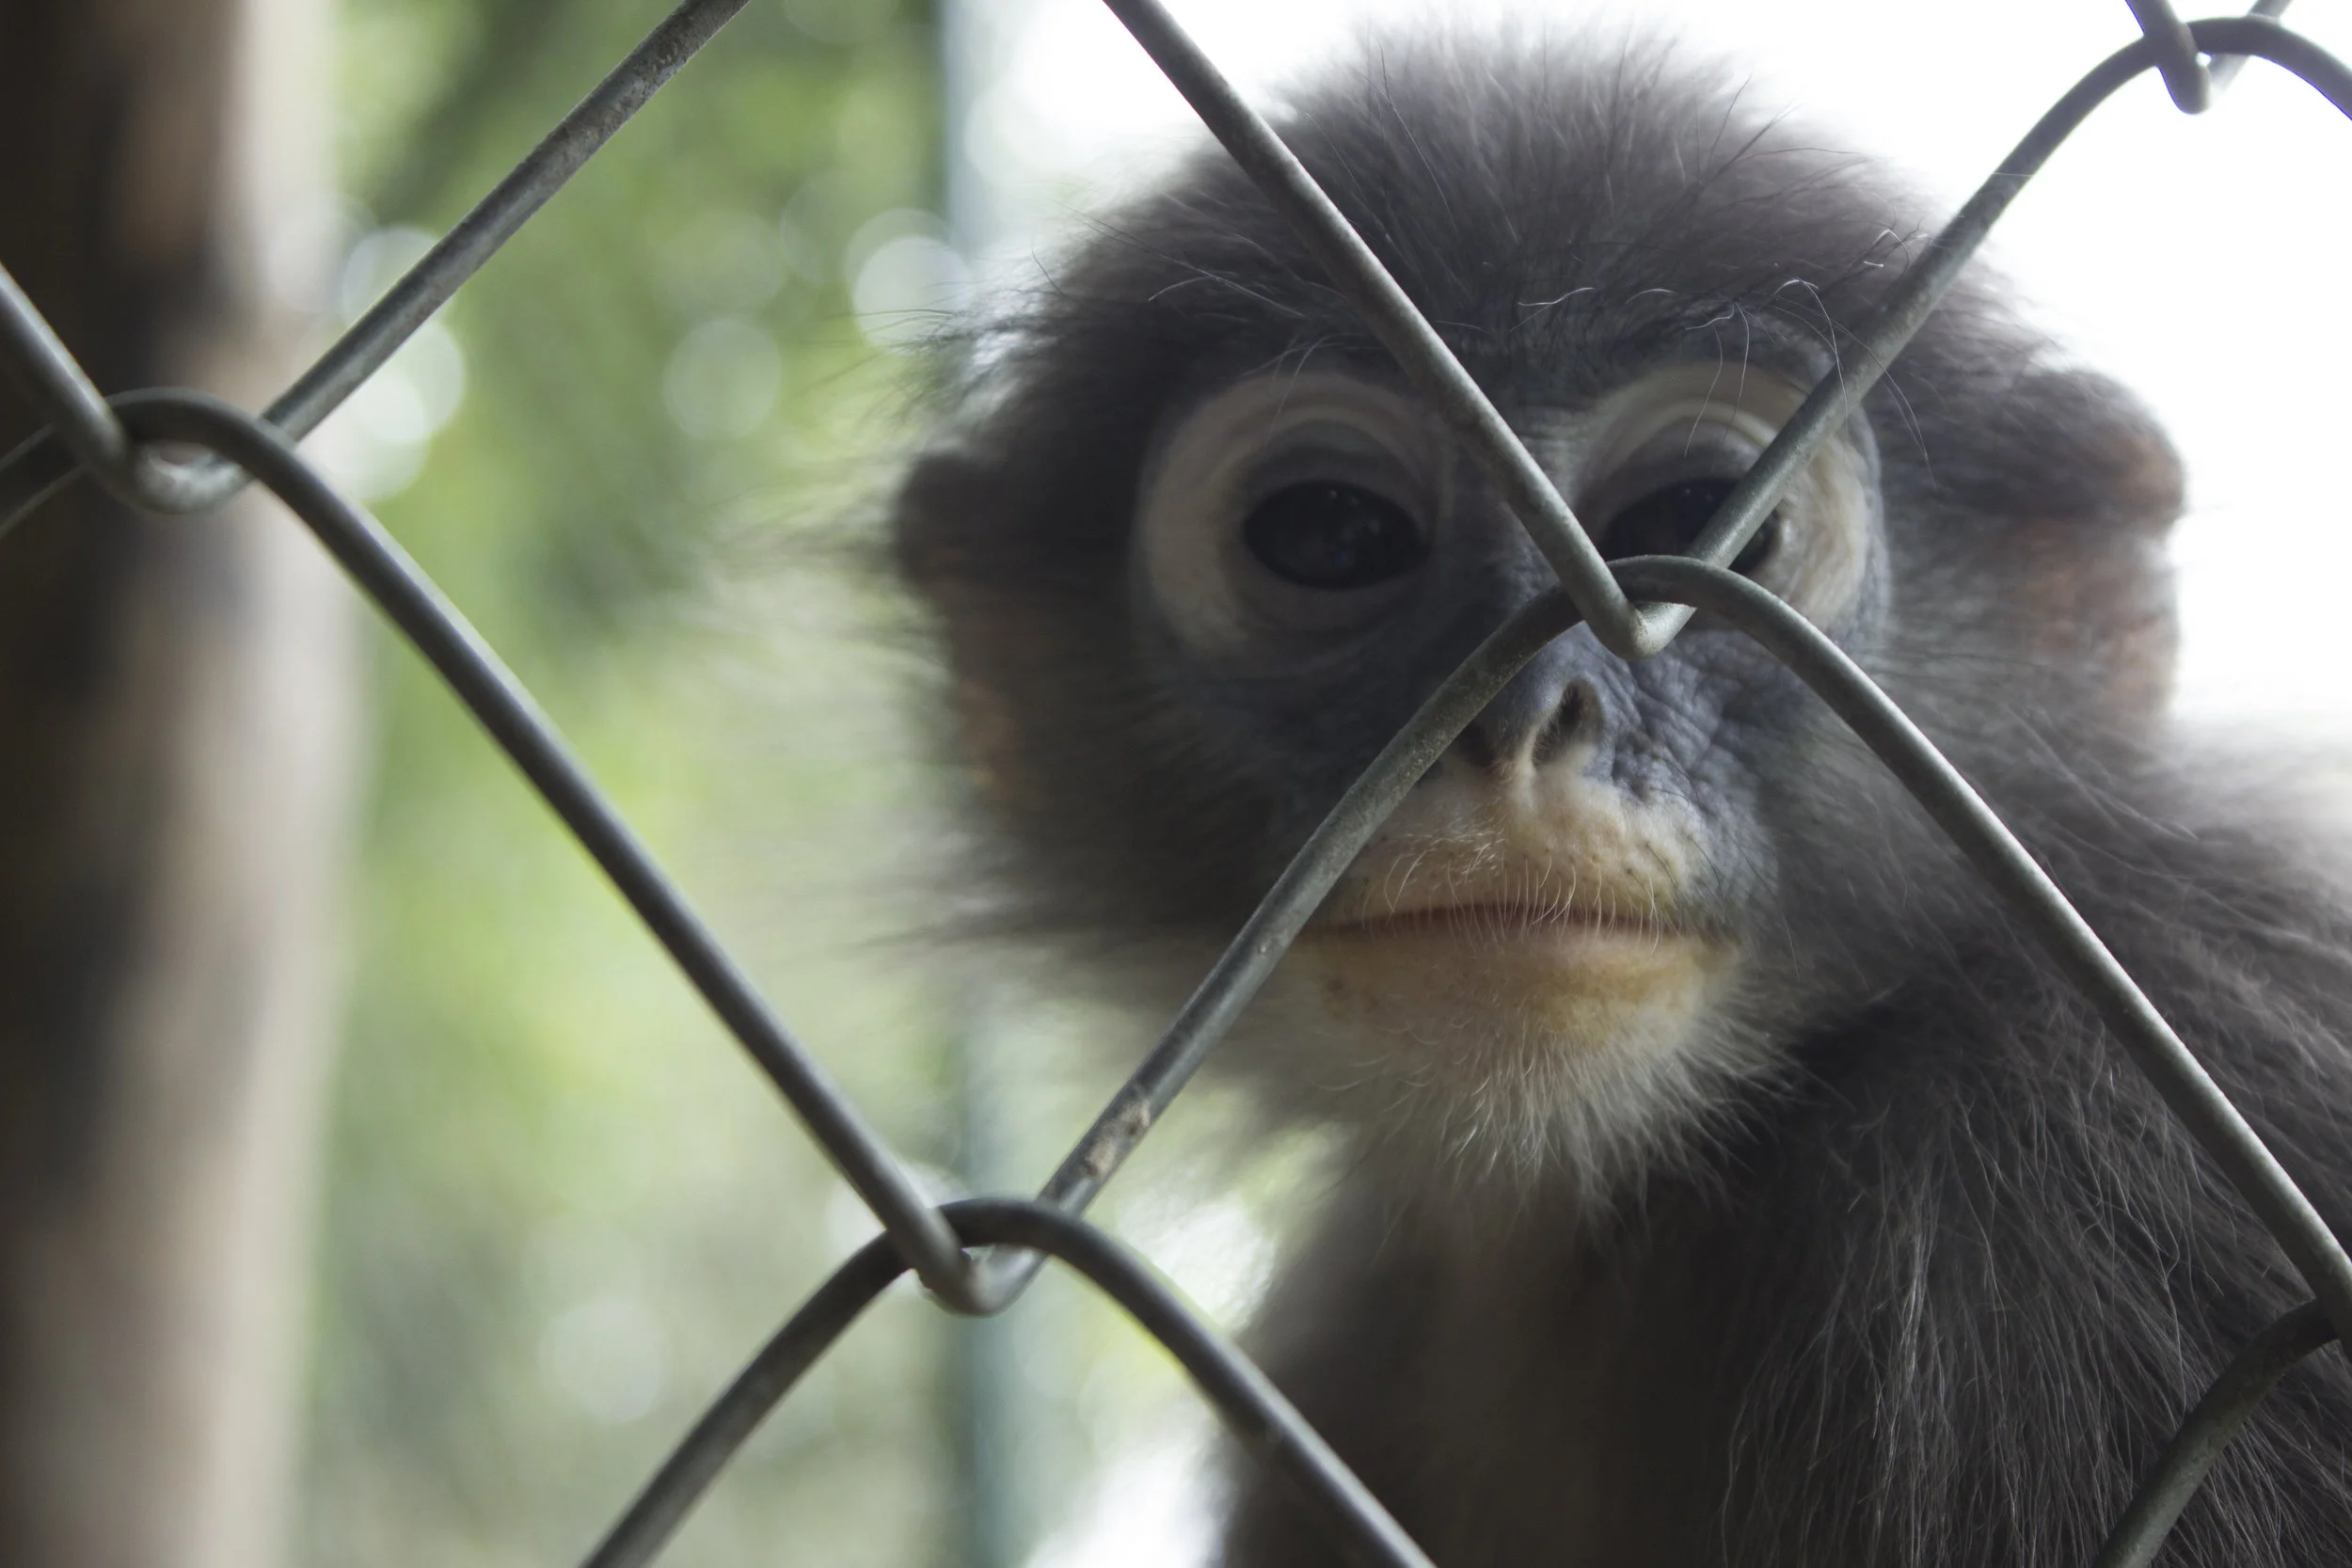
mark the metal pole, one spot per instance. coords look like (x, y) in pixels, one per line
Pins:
(992, 1403)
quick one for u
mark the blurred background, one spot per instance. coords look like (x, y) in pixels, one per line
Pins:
(545, 1209)
(642, 451)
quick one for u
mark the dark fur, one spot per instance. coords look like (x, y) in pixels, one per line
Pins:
(1937, 1292)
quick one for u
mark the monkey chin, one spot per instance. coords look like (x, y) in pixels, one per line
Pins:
(1506, 985)
(1502, 1043)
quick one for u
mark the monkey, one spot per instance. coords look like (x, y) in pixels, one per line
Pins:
(1728, 1180)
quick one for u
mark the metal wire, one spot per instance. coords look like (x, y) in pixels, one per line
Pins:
(1250, 1404)
(2219, 1417)
(408, 599)
(1250, 956)
(1636, 606)
(2183, 73)
(2222, 69)
(45, 464)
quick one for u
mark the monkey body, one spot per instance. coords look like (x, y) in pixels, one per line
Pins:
(1734, 1182)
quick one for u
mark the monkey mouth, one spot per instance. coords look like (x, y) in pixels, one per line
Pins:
(1500, 922)
(1502, 971)
(1510, 964)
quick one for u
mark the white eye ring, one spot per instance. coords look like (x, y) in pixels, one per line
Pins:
(1703, 421)
(1224, 455)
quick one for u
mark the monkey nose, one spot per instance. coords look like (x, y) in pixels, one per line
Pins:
(1533, 722)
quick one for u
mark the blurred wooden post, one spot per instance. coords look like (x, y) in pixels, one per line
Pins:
(175, 716)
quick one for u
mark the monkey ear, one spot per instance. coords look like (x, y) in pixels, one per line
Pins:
(933, 530)
(2079, 487)
(2073, 447)
(938, 529)
(963, 552)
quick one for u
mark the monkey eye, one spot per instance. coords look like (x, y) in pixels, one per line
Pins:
(1327, 535)
(1669, 520)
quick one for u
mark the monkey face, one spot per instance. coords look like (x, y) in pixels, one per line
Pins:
(1557, 907)
(1198, 553)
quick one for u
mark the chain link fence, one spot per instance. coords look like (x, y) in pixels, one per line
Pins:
(1635, 606)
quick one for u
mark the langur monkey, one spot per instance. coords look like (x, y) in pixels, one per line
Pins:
(1731, 1181)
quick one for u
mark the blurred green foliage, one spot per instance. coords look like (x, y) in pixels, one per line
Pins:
(561, 1207)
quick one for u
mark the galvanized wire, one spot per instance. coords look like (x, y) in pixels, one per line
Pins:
(2220, 1415)
(1636, 606)
(2183, 73)
(410, 600)
(2222, 69)
(41, 466)
(1250, 1404)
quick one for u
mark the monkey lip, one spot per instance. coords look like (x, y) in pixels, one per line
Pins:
(1505, 922)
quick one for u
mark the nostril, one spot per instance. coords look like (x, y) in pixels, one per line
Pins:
(1500, 738)
(1566, 723)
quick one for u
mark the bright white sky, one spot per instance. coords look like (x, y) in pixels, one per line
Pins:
(2203, 262)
